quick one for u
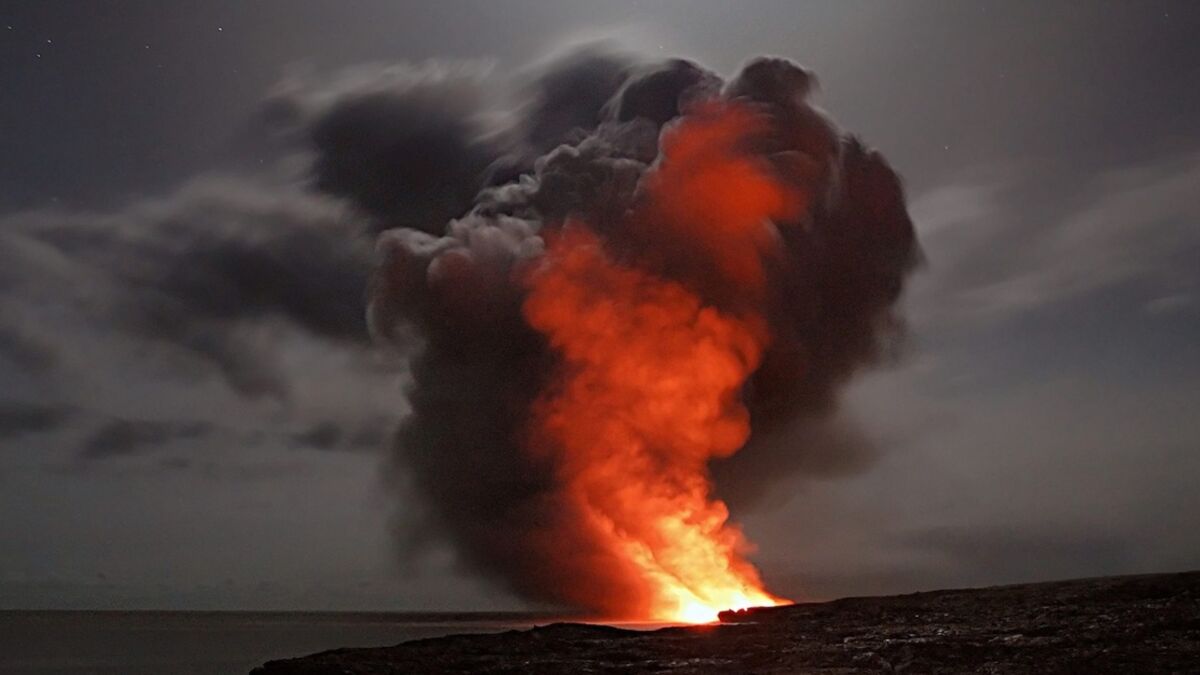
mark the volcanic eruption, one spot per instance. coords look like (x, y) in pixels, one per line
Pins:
(659, 275)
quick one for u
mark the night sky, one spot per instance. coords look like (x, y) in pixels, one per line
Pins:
(191, 415)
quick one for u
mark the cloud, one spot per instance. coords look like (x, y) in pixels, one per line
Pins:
(23, 346)
(193, 270)
(372, 435)
(411, 146)
(120, 438)
(953, 557)
(321, 436)
(1174, 303)
(360, 436)
(992, 255)
(995, 553)
(1018, 476)
(408, 145)
(18, 418)
(566, 95)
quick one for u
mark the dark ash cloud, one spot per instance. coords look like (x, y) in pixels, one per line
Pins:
(840, 269)
(408, 146)
(565, 100)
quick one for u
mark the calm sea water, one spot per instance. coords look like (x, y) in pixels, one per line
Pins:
(210, 643)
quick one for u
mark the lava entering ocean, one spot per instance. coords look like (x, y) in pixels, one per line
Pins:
(671, 274)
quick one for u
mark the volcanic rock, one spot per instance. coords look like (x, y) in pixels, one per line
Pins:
(1132, 624)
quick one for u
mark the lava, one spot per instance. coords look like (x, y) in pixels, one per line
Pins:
(651, 374)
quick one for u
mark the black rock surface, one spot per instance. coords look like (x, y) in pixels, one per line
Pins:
(1133, 624)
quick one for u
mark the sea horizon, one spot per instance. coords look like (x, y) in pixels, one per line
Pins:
(217, 642)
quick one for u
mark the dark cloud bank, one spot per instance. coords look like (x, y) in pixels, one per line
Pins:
(189, 272)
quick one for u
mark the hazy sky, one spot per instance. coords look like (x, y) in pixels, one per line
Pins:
(168, 442)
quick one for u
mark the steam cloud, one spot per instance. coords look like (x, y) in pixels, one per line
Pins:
(416, 154)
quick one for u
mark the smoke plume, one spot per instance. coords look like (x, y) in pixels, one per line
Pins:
(661, 277)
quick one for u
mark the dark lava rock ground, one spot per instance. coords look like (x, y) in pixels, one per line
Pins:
(1137, 624)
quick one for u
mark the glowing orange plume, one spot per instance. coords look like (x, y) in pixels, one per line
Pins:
(651, 374)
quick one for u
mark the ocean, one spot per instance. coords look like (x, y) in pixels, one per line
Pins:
(211, 643)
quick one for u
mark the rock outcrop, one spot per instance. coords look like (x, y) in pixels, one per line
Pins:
(1134, 624)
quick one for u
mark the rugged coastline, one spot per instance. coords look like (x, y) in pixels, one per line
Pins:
(1130, 624)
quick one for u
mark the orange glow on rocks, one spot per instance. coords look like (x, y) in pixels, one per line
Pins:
(650, 375)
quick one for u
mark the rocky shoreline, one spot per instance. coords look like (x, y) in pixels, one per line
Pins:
(1132, 624)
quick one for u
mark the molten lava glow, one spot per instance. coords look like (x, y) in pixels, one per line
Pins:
(649, 394)
(649, 387)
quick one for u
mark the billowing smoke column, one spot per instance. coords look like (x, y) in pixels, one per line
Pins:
(667, 272)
